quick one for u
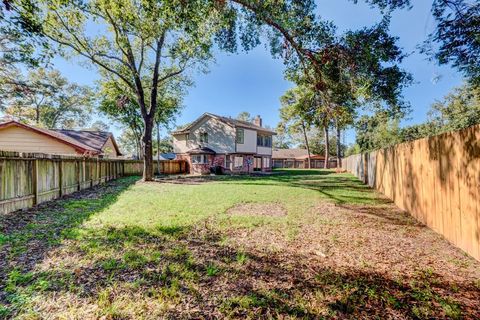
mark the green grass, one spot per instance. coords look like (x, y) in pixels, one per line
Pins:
(148, 250)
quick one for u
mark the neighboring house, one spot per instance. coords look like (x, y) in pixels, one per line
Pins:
(235, 145)
(20, 137)
(165, 156)
(298, 158)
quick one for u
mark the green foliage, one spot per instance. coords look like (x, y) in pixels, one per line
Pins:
(245, 116)
(20, 43)
(139, 48)
(377, 131)
(455, 39)
(458, 110)
(99, 125)
(297, 114)
(49, 100)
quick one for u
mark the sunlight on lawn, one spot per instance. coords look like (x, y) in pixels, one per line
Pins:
(299, 244)
(153, 205)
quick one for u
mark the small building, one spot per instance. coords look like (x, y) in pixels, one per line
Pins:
(298, 158)
(20, 137)
(216, 141)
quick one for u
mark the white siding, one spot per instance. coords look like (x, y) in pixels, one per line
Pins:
(250, 142)
(221, 137)
(264, 150)
(179, 143)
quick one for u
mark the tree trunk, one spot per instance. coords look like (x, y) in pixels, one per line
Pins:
(339, 145)
(158, 147)
(327, 144)
(306, 144)
(37, 115)
(147, 150)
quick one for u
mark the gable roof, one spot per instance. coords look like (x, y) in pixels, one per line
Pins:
(229, 121)
(93, 139)
(84, 143)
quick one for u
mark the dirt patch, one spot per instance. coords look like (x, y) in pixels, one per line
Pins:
(258, 209)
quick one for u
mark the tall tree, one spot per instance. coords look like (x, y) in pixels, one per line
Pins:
(245, 116)
(459, 109)
(21, 45)
(296, 114)
(119, 104)
(48, 99)
(143, 45)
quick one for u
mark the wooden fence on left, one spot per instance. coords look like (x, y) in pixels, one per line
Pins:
(27, 179)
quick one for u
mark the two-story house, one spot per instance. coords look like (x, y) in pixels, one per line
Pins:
(235, 145)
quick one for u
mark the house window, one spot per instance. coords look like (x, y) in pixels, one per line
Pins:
(199, 159)
(264, 141)
(204, 137)
(260, 140)
(238, 162)
(240, 136)
(266, 162)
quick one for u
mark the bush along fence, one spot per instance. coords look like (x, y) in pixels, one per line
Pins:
(27, 179)
(436, 179)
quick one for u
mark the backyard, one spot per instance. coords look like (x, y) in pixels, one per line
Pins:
(294, 244)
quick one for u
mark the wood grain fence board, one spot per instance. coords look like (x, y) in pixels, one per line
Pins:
(27, 179)
(436, 179)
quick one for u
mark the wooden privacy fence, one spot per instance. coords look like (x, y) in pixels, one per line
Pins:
(436, 179)
(27, 179)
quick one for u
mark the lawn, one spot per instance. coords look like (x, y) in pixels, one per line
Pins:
(296, 244)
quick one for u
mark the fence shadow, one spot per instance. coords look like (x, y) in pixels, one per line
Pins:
(29, 235)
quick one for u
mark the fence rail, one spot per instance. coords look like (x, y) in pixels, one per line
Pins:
(436, 179)
(27, 179)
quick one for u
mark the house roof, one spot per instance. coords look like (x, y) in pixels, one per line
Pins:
(201, 150)
(84, 143)
(297, 153)
(165, 156)
(93, 139)
(229, 121)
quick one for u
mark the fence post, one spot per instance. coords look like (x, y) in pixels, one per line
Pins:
(78, 175)
(60, 177)
(35, 181)
(365, 168)
(99, 171)
(91, 172)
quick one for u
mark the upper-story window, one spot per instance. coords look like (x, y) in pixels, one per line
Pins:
(264, 141)
(204, 137)
(240, 136)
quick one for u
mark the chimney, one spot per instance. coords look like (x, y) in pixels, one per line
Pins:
(257, 121)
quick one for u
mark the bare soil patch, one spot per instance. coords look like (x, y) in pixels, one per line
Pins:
(258, 209)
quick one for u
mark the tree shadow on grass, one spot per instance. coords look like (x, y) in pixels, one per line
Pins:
(29, 235)
(132, 271)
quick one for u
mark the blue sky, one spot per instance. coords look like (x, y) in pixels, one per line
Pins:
(254, 81)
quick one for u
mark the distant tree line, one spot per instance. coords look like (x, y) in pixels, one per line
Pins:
(458, 110)
(145, 52)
